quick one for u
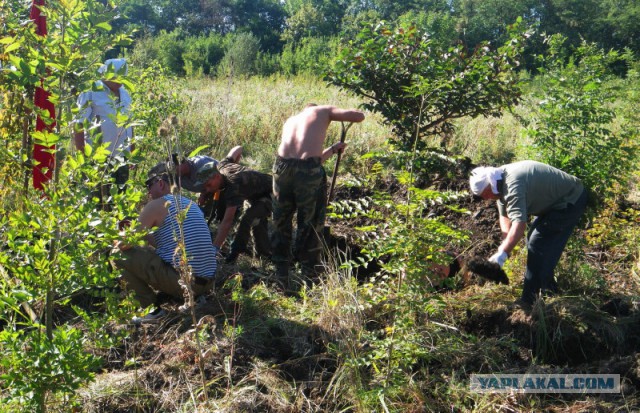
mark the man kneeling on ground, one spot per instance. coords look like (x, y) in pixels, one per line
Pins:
(239, 184)
(156, 267)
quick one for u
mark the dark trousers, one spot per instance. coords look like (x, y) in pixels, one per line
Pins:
(299, 187)
(254, 221)
(546, 240)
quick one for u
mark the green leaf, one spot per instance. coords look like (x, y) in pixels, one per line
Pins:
(46, 138)
(12, 47)
(198, 150)
(104, 25)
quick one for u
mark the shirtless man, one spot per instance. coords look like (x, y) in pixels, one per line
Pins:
(299, 184)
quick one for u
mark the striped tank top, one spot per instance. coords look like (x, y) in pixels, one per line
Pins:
(199, 248)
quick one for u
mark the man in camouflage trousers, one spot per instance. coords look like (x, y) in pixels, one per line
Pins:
(238, 184)
(300, 185)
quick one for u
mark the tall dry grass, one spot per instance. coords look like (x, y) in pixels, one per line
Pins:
(250, 112)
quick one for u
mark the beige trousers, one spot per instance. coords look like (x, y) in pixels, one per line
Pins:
(144, 272)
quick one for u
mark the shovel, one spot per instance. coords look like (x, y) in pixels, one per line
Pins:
(343, 135)
(327, 230)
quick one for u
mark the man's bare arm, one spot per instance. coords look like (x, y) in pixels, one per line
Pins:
(225, 226)
(516, 232)
(346, 115)
(152, 215)
(235, 153)
(332, 150)
(505, 226)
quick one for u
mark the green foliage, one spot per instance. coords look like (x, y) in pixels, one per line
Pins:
(613, 229)
(169, 48)
(202, 54)
(56, 247)
(573, 127)
(240, 57)
(311, 55)
(419, 86)
(307, 21)
(440, 26)
(408, 245)
(34, 364)
(479, 21)
(56, 241)
(155, 99)
(621, 19)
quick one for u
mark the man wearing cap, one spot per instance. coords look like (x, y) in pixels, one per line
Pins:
(96, 120)
(147, 269)
(187, 172)
(238, 184)
(300, 184)
(557, 199)
(186, 175)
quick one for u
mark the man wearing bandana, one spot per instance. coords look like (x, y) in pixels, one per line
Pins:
(557, 200)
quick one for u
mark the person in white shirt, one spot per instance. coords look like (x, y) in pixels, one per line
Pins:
(97, 119)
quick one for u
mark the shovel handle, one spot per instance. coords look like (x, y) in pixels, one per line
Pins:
(343, 135)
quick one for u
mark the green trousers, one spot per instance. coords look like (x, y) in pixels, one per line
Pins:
(300, 188)
(144, 272)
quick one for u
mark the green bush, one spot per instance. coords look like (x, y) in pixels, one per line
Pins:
(202, 54)
(310, 56)
(170, 47)
(573, 128)
(240, 56)
(420, 86)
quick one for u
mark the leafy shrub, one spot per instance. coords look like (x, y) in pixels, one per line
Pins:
(573, 127)
(240, 57)
(407, 244)
(170, 46)
(202, 54)
(55, 241)
(311, 55)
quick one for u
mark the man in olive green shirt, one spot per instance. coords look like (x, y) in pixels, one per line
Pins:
(557, 199)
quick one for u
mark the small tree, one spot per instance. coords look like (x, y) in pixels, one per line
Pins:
(419, 86)
(240, 58)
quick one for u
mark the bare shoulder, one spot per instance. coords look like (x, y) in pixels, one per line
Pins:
(153, 213)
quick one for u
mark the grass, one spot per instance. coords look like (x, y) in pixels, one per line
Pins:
(315, 351)
(224, 113)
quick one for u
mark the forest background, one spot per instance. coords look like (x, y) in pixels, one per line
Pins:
(444, 83)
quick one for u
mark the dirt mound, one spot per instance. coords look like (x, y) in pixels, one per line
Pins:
(560, 331)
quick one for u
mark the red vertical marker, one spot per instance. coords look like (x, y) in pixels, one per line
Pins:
(43, 156)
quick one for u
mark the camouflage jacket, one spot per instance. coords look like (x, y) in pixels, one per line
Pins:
(242, 183)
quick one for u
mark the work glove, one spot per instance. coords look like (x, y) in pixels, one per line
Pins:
(499, 257)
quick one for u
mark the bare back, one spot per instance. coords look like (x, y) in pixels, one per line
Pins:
(303, 134)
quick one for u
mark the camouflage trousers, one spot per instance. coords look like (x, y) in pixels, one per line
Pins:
(299, 186)
(254, 221)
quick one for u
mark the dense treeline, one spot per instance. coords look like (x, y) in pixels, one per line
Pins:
(213, 37)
